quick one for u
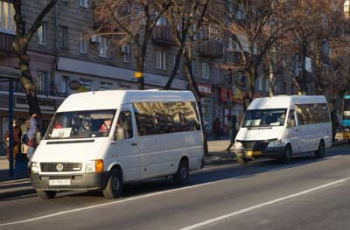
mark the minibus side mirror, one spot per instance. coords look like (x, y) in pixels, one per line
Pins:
(119, 133)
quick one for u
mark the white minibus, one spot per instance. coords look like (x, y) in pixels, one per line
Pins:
(102, 140)
(282, 126)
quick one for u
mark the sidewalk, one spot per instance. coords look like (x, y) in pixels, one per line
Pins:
(11, 187)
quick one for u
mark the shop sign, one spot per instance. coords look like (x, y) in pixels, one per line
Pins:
(205, 89)
(74, 85)
(44, 104)
(223, 94)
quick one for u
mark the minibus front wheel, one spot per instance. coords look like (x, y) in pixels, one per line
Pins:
(114, 185)
(287, 155)
(46, 194)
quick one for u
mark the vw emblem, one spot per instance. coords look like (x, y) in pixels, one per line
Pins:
(59, 167)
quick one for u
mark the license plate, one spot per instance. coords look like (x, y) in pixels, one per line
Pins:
(252, 153)
(59, 182)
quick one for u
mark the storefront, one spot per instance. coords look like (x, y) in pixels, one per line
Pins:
(48, 107)
(206, 91)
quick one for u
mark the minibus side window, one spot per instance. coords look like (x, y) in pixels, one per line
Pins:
(291, 119)
(124, 126)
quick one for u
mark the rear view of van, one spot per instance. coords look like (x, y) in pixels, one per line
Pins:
(103, 140)
(280, 127)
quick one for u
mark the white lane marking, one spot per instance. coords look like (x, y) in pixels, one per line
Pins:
(128, 199)
(114, 202)
(245, 210)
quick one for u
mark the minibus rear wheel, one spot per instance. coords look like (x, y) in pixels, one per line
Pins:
(46, 194)
(319, 153)
(114, 185)
(182, 174)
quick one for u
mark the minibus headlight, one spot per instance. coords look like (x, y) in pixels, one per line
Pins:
(275, 143)
(95, 166)
(34, 168)
(238, 144)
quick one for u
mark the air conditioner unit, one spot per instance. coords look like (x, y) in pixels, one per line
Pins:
(95, 38)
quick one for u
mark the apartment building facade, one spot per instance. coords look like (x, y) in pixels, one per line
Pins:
(62, 52)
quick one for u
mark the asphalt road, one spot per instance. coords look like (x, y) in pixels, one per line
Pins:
(305, 194)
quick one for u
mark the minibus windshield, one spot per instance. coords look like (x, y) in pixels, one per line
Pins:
(264, 118)
(80, 124)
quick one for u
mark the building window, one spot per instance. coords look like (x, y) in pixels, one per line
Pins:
(267, 84)
(325, 47)
(42, 32)
(126, 53)
(83, 43)
(83, 3)
(42, 83)
(205, 71)
(7, 11)
(161, 60)
(104, 47)
(105, 85)
(87, 84)
(64, 84)
(64, 37)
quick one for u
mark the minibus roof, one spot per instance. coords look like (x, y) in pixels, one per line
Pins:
(284, 101)
(112, 99)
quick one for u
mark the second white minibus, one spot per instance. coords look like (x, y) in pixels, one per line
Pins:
(282, 126)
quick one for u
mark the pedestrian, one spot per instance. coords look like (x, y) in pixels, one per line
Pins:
(33, 135)
(335, 124)
(216, 128)
(17, 133)
(232, 131)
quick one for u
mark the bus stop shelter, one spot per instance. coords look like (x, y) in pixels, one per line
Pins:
(10, 75)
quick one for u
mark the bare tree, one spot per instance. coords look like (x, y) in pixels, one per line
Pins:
(185, 18)
(254, 26)
(312, 26)
(131, 22)
(24, 34)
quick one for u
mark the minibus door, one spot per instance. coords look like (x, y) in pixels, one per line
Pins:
(293, 132)
(126, 145)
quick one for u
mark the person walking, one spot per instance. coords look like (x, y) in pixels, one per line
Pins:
(335, 124)
(17, 133)
(33, 135)
(232, 131)
(216, 128)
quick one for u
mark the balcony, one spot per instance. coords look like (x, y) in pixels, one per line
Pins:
(6, 41)
(211, 48)
(162, 35)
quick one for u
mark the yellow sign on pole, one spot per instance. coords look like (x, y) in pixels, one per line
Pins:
(138, 74)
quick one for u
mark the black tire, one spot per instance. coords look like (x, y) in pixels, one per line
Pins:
(320, 152)
(287, 155)
(46, 194)
(241, 160)
(182, 174)
(114, 187)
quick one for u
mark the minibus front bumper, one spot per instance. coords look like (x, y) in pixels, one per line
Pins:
(268, 152)
(84, 181)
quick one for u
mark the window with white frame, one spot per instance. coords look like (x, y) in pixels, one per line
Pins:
(193, 64)
(104, 47)
(205, 71)
(42, 82)
(325, 46)
(161, 60)
(83, 43)
(42, 33)
(64, 37)
(105, 85)
(7, 23)
(83, 3)
(126, 53)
